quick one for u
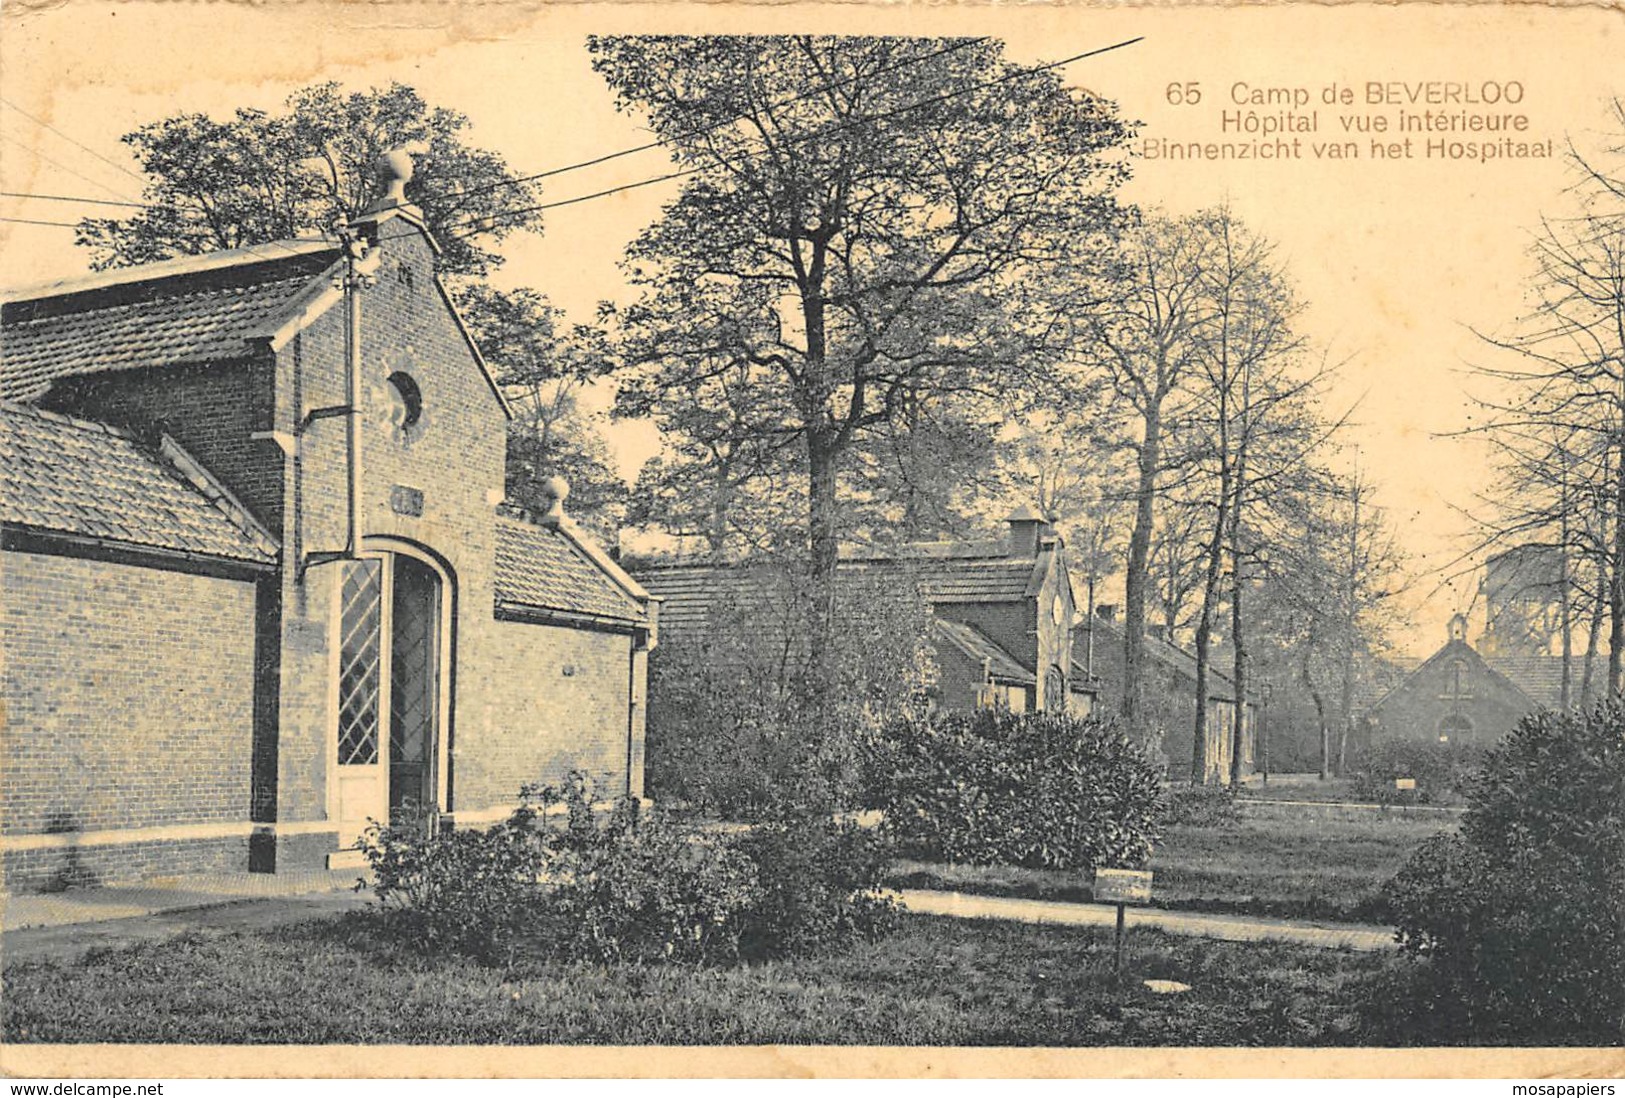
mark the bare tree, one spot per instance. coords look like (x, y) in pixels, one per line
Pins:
(1557, 417)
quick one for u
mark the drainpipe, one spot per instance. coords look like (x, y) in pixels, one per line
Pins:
(354, 249)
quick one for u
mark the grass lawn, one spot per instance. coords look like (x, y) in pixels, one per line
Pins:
(934, 982)
(1332, 789)
(1304, 867)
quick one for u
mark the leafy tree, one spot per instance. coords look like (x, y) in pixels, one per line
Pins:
(260, 176)
(542, 366)
(843, 251)
(1145, 334)
(1519, 916)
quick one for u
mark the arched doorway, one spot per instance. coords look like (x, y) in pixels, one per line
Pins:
(1455, 728)
(393, 677)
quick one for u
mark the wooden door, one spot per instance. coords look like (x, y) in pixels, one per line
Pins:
(414, 673)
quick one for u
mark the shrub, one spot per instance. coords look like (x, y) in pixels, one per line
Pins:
(1442, 771)
(1201, 806)
(468, 891)
(820, 887)
(1521, 917)
(630, 885)
(564, 877)
(731, 725)
(1038, 790)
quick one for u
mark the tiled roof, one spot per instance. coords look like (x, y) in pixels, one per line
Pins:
(979, 579)
(1172, 656)
(69, 476)
(980, 647)
(1541, 677)
(691, 591)
(541, 568)
(162, 314)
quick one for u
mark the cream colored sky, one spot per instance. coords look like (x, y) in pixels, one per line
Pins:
(1396, 258)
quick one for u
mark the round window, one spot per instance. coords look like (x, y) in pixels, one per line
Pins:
(407, 400)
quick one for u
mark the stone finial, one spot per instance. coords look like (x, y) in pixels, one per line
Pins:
(394, 172)
(557, 490)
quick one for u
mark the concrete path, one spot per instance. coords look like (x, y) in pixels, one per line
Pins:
(65, 925)
(1231, 928)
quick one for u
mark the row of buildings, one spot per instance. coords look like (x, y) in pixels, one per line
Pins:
(259, 584)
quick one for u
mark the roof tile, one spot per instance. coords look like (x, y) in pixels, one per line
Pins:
(64, 475)
(539, 567)
(195, 317)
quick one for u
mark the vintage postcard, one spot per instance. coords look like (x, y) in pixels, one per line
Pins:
(863, 539)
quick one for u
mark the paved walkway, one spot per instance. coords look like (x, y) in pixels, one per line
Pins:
(64, 925)
(1231, 928)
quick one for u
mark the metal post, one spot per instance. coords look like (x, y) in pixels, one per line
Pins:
(352, 365)
(1118, 966)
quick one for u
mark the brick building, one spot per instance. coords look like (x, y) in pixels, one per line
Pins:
(1001, 612)
(1170, 693)
(1458, 695)
(230, 637)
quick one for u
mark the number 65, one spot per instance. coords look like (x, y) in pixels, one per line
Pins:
(1185, 95)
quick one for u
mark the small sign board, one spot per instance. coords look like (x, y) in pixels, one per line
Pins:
(406, 501)
(1122, 886)
(1404, 783)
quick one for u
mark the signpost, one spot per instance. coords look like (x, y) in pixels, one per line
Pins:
(1122, 887)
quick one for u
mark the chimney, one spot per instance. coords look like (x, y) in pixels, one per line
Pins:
(1158, 631)
(1106, 611)
(556, 489)
(1027, 529)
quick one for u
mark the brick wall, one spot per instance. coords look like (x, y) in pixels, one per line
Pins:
(88, 866)
(212, 411)
(557, 701)
(130, 694)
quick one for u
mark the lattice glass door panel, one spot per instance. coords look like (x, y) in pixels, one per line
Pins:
(360, 663)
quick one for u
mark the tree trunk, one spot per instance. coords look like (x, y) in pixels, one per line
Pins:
(1593, 633)
(1238, 637)
(1204, 646)
(1134, 592)
(1616, 586)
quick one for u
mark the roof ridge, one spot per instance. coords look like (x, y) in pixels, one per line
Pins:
(295, 247)
(95, 426)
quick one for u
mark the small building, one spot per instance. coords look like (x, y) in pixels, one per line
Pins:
(1001, 612)
(1457, 696)
(1170, 696)
(257, 583)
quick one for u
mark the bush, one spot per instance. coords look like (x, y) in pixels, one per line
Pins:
(1521, 918)
(565, 878)
(731, 721)
(1037, 790)
(1201, 806)
(471, 892)
(1442, 771)
(820, 887)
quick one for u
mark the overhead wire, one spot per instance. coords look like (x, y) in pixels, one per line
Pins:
(801, 138)
(486, 223)
(72, 140)
(702, 130)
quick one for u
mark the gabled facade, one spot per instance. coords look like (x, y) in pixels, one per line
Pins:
(1455, 696)
(232, 633)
